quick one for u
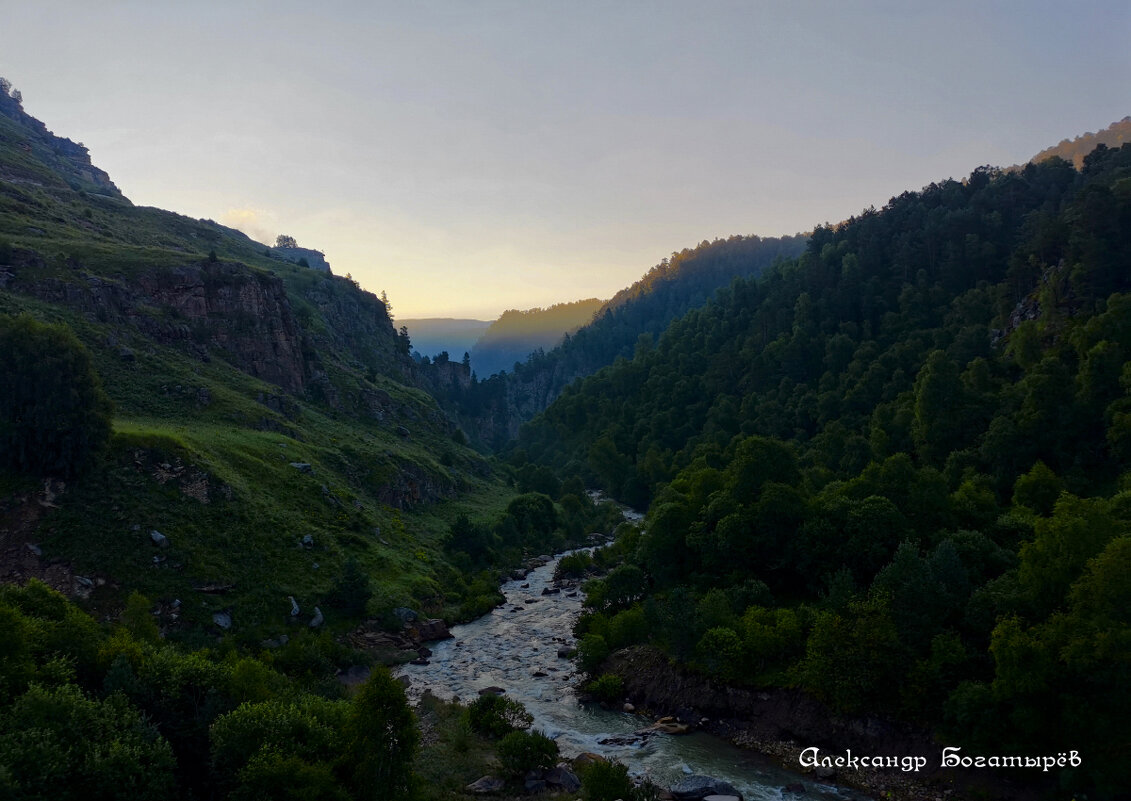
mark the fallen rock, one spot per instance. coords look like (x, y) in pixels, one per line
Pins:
(302, 467)
(534, 786)
(222, 619)
(307, 541)
(317, 620)
(492, 691)
(434, 629)
(587, 758)
(666, 725)
(564, 778)
(486, 785)
(294, 606)
(404, 614)
(159, 539)
(628, 707)
(35, 549)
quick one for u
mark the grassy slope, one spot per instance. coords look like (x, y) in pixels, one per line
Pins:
(236, 511)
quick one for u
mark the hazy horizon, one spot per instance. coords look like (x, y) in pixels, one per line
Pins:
(468, 159)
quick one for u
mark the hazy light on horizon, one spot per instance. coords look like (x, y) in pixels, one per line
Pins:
(468, 158)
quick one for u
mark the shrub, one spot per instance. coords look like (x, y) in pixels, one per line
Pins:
(573, 565)
(606, 781)
(523, 751)
(380, 740)
(592, 652)
(608, 689)
(54, 416)
(56, 743)
(308, 733)
(497, 715)
(351, 591)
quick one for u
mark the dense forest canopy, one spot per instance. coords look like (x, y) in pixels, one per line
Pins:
(896, 461)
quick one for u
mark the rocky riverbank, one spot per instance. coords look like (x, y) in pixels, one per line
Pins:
(782, 723)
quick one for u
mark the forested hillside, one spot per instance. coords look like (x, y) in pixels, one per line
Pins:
(495, 408)
(892, 472)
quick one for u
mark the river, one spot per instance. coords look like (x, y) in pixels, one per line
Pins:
(512, 644)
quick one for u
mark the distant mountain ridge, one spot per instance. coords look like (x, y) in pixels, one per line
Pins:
(432, 335)
(517, 334)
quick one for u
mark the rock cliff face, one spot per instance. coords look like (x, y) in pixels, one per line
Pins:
(243, 315)
(747, 715)
(358, 324)
(71, 160)
(315, 259)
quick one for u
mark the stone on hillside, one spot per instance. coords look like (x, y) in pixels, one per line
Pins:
(159, 539)
(564, 778)
(294, 606)
(404, 614)
(302, 467)
(486, 785)
(222, 619)
(534, 786)
(696, 788)
(308, 541)
(35, 549)
(317, 620)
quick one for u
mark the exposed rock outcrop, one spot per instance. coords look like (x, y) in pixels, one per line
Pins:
(314, 259)
(67, 159)
(241, 313)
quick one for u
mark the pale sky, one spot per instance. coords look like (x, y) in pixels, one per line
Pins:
(469, 157)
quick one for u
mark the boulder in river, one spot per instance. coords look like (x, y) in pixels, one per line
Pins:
(697, 788)
(585, 759)
(492, 691)
(667, 725)
(434, 629)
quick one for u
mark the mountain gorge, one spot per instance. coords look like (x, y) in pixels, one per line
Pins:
(886, 467)
(495, 408)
